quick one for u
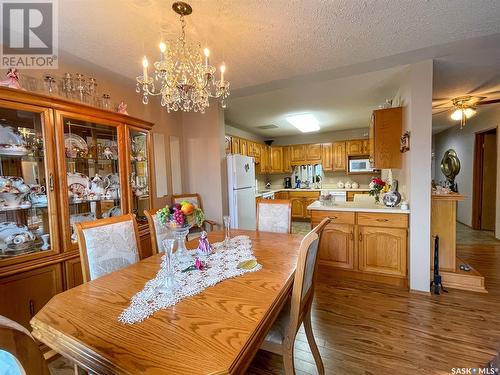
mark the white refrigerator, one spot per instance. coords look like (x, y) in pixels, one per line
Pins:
(241, 191)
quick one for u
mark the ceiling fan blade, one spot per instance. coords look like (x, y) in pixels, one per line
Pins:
(492, 101)
(442, 111)
(439, 105)
(484, 85)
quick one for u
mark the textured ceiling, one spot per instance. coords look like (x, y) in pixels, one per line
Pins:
(263, 41)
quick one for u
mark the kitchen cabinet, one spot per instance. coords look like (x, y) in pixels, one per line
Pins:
(350, 195)
(297, 154)
(287, 167)
(327, 156)
(276, 159)
(243, 147)
(265, 160)
(382, 250)
(385, 134)
(313, 153)
(337, 246)
(24, 294)
(368, 245)
(235, 145)
(339, 156)
(281, 195)
(300, 200)
(357, 147)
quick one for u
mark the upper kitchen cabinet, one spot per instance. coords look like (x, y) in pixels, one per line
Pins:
(358, 147)
(305, 154)
(297, 154)
(385, 133)
(235, 145)
(339, 156)
(313, 153)
(227, 144)
(276, 159)
(327, 156)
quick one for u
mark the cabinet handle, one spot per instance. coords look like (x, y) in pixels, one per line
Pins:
(360, 237)
(352, 236)
(32, 308)
(51, 182)
(382, 220)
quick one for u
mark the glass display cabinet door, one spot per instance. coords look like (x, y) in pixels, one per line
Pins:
(27, 201)
(91, 177)
(139, 174)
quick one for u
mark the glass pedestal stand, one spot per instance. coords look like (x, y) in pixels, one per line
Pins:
(182, 255)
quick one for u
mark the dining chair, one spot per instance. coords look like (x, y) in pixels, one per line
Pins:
(274, 215)
(107, 245)
(281, 337)
(195, 199)
(156, 230)
(19, 351)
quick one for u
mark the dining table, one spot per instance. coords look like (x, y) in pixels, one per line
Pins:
(218, 331)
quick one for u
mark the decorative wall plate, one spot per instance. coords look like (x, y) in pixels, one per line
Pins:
(74, 144)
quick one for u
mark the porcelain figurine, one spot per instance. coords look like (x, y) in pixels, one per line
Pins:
(12, 80)
(122, 108)
(204, 247)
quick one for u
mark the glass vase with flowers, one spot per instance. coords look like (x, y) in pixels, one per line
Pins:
(377, 186)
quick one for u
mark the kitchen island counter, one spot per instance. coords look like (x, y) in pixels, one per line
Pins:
(356, 207)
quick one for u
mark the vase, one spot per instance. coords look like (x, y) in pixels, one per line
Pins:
(167, 283)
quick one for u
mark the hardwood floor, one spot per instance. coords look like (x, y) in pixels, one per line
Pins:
(363, 328)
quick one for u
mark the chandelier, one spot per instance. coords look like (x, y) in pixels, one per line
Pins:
(183, 76)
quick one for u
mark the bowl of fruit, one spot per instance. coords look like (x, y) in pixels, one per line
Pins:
(181, 216)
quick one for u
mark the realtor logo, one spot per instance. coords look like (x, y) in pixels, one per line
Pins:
(29, 34)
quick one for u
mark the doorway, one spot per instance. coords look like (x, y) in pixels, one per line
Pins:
(485, 180)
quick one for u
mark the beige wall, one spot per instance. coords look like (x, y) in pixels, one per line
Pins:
(204, 161)
(121, 88)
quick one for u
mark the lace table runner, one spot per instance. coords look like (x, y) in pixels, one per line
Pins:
(222, 264)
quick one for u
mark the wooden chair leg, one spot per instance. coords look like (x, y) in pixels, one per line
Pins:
(288, 356)
(312, 343)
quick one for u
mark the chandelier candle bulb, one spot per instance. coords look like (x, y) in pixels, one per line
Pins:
(145, 68)
(163, 48)
(206, 51)
(222, 70)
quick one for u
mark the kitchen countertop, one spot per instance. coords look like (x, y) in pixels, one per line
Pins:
(357, 207)
(259, 194)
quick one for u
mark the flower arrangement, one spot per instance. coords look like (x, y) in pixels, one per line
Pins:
(377, 186)
(181, 215)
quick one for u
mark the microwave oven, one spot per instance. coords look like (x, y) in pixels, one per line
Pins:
(360, 165)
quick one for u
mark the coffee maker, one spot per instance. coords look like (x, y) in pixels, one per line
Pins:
(287, 182)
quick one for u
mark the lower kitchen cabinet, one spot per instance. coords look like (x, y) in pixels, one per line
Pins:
(25, 293)
(300, 201)
(298, 211)
(337, 246)
(382, 250)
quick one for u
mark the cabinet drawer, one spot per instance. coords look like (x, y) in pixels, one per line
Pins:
(26, 293)
(304, 194)
(338, 217)
(383, 220)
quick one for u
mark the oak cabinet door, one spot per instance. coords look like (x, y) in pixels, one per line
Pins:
(307, 202)
(339, 156)
(286, 160)
(264, 159)
(382, 250)
(298, 153)
(354, 147)
(297, 207)
(337, 245)
(327, 156)
(243, 147)
(227, 144)
(26, 293)
(313, 152)
(73, 273)
(365, 147)
(385, 134)
(235, 145)
(276, 159)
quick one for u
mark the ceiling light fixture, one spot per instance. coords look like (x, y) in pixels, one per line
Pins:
(306, 123)
(463, 110)
(184, 74)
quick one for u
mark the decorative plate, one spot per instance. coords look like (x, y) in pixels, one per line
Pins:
(11, 142)
(74, 144)
(77, 178)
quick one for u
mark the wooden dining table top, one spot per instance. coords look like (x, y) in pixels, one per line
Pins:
(215, 332)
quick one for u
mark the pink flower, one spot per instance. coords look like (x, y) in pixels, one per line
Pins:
(199, 264)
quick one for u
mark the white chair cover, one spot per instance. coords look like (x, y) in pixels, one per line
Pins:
(110, 247)
(274, 217)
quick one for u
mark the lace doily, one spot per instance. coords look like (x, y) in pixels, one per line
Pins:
(222, 264)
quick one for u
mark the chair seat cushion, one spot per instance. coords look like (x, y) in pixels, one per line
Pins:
(276, 334)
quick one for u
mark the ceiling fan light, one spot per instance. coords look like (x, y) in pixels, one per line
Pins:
(457, 114)
(469, 112)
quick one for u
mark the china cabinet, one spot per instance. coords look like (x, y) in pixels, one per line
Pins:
(60, 163)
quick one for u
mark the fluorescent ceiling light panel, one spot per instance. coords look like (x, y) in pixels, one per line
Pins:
(305, 123)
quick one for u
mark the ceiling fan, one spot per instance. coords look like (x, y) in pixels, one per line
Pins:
(463, 107)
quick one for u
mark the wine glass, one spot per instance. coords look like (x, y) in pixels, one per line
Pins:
(168, 282)
(227, 231)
